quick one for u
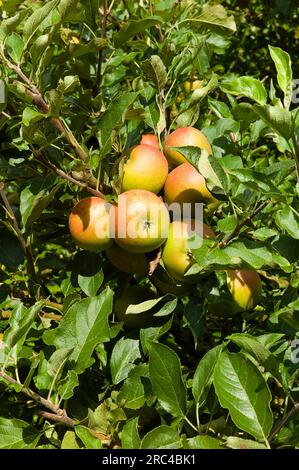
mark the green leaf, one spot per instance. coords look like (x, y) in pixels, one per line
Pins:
(69, 441)
(112, 119)
(132, 394)
(21, 322)
(161, 306)
(262, 355)
(203, 377)
(203, 442)
(239, 443)
(162, 437)
(90, 285)
(133, 27)
(17, 434)
(57, 360)
(15, 46)
(166, 379)
(83, 327)
(36, 197)
(65, 7)
(67, 385)
(124, 353)
(155, 71)
(277, 118)
(286, 220)
(89, 441)
(200, 93)
(92, 46)
(215, 16)
(283, 64)
(241, 389)
(35, 20)
(30, 115)
(245, 86)
(129, 436)
(10, 24)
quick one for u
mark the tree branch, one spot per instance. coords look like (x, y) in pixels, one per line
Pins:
(22, 241)
(59, 419)
(240, 225)
(39, 101)
(65, 176)
(58, 414)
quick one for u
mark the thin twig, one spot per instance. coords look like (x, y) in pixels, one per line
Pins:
(59, 413)
(239, 226)
(39, 101)
(280, 424)
(101, 51)
(67, 177)
(22, 241)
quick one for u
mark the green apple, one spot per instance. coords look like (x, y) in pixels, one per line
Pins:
(176, 255)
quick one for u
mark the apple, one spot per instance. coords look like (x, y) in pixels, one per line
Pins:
(184, 137)
(245, 287)
(185, 184)
(176, 255)
(133, 295)
(126, 262)
(166, 285)
(192, 85)
(89, 224)
(145, 168)
(141, 221)
(150, 139)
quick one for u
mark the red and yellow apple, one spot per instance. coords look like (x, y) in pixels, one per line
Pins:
(126, 262)
(89, 224)
(176, 255)
(133, 295)
(185, 184)
(150, 139)
(145, 168)
(245, 287)
(141, 221)
(184, 137)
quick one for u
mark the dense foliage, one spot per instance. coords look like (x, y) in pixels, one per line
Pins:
(83, 81)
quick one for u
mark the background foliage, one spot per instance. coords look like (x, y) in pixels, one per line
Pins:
(83, 81)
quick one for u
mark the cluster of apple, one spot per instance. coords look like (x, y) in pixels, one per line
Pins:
(140, 223)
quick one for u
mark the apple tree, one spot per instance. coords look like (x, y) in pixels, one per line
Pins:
(92, 356)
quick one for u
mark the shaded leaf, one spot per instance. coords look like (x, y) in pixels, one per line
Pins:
(166, 379)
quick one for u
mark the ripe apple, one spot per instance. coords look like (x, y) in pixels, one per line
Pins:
(185, 184)
(166, 285)
(133, 295)
(126, 262)
(176, 256)
(245, 287)
(184, 137)
(141, 221)
(150, 139)
(146, 168)
(89, 224)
